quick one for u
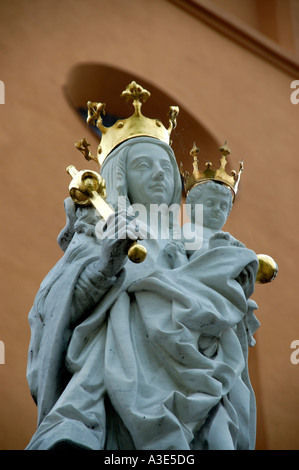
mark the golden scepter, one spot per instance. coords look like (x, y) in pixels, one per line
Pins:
(88, 188)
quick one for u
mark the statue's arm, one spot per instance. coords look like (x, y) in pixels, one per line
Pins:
(246, 279)
(99, 276)
(247, 276)
(90, 288)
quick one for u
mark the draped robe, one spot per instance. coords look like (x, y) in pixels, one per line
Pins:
(156, 358)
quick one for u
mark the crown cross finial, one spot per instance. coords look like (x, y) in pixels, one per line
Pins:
(173, 113)
(224, 152)
(194, 152)
(136, 93)
(94, 114)
(83, 146)
(224, 149)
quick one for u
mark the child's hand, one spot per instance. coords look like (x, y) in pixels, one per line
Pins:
(220, 239)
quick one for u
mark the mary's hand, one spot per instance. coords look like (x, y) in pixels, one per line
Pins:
(119, 231)
(246, 279)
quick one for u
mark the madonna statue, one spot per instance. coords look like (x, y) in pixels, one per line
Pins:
(147, 356)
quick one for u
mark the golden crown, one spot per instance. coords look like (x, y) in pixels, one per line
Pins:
(135, 126)
(220, 175)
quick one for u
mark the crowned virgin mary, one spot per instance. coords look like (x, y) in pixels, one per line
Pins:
(114, 359)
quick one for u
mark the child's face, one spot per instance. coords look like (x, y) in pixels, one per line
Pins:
(215, 207)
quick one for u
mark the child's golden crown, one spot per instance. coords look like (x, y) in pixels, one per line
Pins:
(135, 126)
(220, 175)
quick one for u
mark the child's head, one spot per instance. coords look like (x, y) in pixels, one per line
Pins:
(216, 199)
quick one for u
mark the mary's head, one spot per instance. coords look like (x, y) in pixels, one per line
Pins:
(144, 171)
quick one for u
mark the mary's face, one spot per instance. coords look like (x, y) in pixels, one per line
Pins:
(150, 175)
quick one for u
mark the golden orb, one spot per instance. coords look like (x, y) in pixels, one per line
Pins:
(267, 269)
(137, 253)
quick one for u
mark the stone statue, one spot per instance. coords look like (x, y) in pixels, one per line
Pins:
(148, 355)
(216, 201)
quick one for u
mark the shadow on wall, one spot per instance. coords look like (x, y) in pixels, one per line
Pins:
(103, 83)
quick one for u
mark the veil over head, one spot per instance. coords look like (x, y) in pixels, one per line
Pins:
(114, 170)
